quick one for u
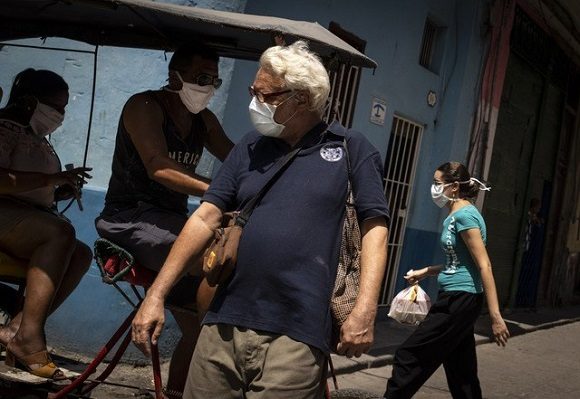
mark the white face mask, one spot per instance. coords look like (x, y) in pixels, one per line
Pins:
(45, 119)
(262, 117)
(437, 195)
(194, 97)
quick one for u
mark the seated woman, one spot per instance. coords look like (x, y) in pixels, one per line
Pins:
(31, 182)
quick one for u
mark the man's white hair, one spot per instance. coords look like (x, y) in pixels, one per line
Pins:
(301, 69)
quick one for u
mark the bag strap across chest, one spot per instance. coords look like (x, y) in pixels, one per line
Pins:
(246, 212)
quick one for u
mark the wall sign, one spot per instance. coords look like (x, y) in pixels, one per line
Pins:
(378, 111)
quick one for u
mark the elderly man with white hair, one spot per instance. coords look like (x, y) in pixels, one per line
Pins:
(267, 332)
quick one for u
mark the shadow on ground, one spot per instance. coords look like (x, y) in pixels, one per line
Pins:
(389, 334)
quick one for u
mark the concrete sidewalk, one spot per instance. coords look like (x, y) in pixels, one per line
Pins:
(389, 334)
(134, 379)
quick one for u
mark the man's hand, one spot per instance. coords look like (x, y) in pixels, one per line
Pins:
(148, 324)
(356, 334)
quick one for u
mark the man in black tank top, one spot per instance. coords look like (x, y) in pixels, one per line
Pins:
(160, 139)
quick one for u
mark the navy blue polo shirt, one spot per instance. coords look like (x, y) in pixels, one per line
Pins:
(289, 249)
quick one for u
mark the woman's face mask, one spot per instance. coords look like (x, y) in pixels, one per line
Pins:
(45, 119)
(262, 117)
(439, 198)
(194, 97)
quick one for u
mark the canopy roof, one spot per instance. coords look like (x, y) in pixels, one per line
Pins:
(154, 25)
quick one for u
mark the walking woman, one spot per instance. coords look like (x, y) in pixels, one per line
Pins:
(31, 182)
(446, 335)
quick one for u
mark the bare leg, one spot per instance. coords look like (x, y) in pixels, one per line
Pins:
(179, 365)
(79, 264)
(50, 249)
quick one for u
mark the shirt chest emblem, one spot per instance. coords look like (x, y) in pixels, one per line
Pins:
(332, 152)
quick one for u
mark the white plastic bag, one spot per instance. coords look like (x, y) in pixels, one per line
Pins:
(410, 306)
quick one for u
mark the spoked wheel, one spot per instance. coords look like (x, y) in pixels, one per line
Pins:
(352, 394)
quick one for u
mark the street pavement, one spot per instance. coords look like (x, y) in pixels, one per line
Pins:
(540, 361)
(541, 364)
(389, 334)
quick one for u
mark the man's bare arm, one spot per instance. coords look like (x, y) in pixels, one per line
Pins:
(143, 120)
(196, 234)
(357, 332)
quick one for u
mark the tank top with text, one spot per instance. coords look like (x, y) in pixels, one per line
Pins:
(130, 183)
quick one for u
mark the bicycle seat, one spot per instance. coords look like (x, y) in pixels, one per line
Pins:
(117, 264)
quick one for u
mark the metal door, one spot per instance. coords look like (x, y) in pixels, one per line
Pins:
(511, 162)
(400, 167)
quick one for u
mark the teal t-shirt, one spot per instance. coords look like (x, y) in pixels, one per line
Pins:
(460, 273)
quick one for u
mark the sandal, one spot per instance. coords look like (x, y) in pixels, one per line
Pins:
(39, 364)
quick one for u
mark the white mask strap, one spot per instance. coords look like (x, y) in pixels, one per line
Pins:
(482, 186)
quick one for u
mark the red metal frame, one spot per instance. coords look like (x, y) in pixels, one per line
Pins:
(125, 328)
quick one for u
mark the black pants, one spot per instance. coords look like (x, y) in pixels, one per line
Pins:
(445, 337)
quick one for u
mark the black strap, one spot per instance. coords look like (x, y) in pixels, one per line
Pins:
(349, 193)
(246, 212)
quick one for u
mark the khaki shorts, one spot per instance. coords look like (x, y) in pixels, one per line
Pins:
(234, 362)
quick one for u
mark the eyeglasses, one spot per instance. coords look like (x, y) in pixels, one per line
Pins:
(263, 97)
(203, 79)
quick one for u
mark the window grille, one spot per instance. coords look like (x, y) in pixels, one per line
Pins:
(432, 46)
(343, 92)
(344, 81)
(399, 179)
(428, 45)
